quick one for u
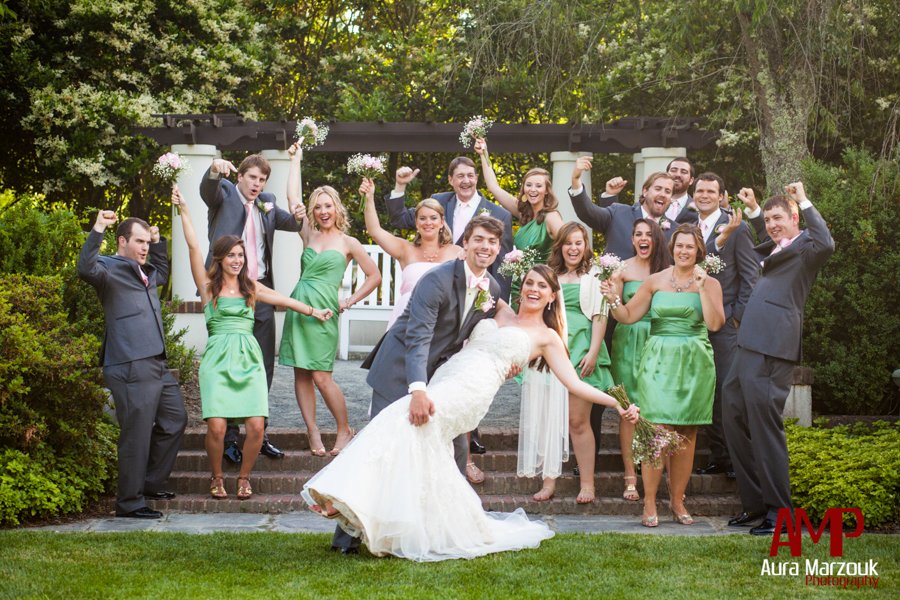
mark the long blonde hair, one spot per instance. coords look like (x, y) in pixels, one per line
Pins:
(340, 222)
(444, 236)
(550, 201)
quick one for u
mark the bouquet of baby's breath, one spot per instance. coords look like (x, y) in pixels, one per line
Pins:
(712, 264)
(309, 133)
(516, 263)
(607, 266)
(168, 167)
(366, 165)
(477, 127)
(651, 443)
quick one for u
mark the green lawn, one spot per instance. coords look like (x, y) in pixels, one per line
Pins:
(276, 565)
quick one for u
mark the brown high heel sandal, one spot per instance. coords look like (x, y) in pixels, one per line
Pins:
(217, 487)
(473, 473)
(631, 493)
(336, 451)
(316, 451)
(245, 492)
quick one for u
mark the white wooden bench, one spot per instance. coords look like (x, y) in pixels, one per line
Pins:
(377, 306)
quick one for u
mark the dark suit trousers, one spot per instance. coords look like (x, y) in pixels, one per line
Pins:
(341, 538)
(724, 344)
(264, 332)
(152, 419)
(754, 394)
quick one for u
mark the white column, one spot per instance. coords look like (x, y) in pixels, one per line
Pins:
(563, 166)
(651, 161)
(199, 157)
(287, 246)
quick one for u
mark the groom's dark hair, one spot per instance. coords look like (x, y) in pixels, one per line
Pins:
(492, 224)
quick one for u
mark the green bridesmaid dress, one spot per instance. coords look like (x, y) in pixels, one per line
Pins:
(530, 235)
(232, 376)
(580, 339)
(677, 375)
(627, 344)
(306, 342)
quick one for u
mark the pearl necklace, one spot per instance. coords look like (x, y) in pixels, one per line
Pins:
(430, 257)
(679, 287)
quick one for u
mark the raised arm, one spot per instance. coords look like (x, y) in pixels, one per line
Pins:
(639, 304)
(89, 268)
(614, 187)
(198, 268)
(595, 217)
(159, 256)
(270, 296)
(823, 243)
(368, 266)
(506, 200)
(211, 186)
(398, 215)
(393, 245)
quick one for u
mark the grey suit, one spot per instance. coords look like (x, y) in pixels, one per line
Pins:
(149, 406)
(687, 215)
(430, 331)
(737, 280)
(405, 218)
(759, 380)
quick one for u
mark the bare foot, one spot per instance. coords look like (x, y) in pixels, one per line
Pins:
(343, 438)
(316, 447)
(545, 493)
(587, 495)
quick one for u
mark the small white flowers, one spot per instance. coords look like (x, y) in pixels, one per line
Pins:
(712, 265)
(516, 263)
(366, 165)
(664, 223)
(309, 133)
(607, 266)
(169, 166)
(477, 127)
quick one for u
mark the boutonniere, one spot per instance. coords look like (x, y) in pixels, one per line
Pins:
(484, 300)
(264, 207)
(484, 211)
(719, 229)
(664, 223)
(692, 207)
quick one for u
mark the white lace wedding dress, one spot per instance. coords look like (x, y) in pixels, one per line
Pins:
(398, 487)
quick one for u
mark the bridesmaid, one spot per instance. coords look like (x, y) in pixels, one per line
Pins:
(308, 346)
(535, 208)
(570, 258)
(677, 375)
(650, 256)
(432, 245)
(232, 376)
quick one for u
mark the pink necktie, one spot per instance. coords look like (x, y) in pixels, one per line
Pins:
(784, 243)
(704, 228)
(251, 258)
(144, 278)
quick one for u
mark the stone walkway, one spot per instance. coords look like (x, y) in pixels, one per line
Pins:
(305, 522)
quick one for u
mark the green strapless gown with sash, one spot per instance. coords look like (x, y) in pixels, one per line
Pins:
(627, 345)
(306, 342)
(530, 235)
(677, 376)
(580, 340)
(232, 376)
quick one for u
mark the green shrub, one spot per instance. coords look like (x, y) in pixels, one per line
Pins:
(847, 466)
(851, 336)
(178, 356)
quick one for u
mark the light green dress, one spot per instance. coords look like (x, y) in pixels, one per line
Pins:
(530, 235)
(306, 342)
(677, 376)
(232, 376)
(580, 340)
(627, 344)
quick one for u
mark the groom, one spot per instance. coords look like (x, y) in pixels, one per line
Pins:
(444, 308)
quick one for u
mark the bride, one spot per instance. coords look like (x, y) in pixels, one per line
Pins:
(397, 486)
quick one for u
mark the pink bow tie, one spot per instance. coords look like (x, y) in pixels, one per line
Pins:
(476, 282)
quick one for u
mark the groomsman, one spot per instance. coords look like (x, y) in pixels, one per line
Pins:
(149, 407)
(460, 205)
(245, 210)
(681, 170)
(737, 280)
(769, 339)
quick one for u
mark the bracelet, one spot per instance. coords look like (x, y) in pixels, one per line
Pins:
(616, 303)
(311, 311)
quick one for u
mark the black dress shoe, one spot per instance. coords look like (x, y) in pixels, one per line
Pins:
(730, 474)
(767, 527)
(744, 518)
(164, 495)
(711, 469)
(476, 448)
(576, 471)
(141, 513)
(350, 550)
(233, 454)
(269, 450)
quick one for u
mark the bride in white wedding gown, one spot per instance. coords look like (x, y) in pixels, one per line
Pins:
(397, 485)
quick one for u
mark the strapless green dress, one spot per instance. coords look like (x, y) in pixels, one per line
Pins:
(232, 376)
(677, 375)
(530, 235)
(580, 340)
(306, 342)
(627, 344)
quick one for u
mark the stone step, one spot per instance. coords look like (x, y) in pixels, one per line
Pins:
(493, 439)
(496, 483)
(609, 460)
(703, 505)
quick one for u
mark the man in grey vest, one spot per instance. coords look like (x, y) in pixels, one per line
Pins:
(149, 406)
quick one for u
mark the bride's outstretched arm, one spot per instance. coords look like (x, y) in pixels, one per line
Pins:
(555, 354)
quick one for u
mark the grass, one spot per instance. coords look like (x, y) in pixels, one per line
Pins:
(279, 565)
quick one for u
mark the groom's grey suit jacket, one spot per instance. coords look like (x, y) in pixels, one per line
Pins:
(405, 218)
(430, 330)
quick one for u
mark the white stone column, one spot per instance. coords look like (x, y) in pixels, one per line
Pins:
(651, 160)
(563, 166)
